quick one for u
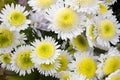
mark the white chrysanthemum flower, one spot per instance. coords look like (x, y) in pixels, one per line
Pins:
(114, 76)
(109, 63)
(48, 69)
(65, 21)
(107, 31)
(80, 43)
(21, 60)
(109, 2)
(15, 17)
(8, 39)
(41, 5)
(45, 51)
(39, 21)
(84, 66)
(5, 60)
(87, 6)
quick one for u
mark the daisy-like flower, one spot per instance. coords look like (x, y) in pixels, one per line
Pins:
(107, 29)
(84, 66)
(114, 76)
(65, 21)
(45, 51)
(15, 17)
(80, 43)
(109, 2)
(5, 60)
(39, 5)
(8, 39)
(21, 61)
(64, 60)
(48, 69)
(87, 6)
(109, 63)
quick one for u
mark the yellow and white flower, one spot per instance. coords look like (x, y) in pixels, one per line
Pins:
(114, 76)
(8, 39)
(48, 69)
(87, 6)
(21, 60)
(5, 60)
(15, 17)
(65, 21)
(40, 5)
(109, 63)
(84, 66)
(107, 31)
(45, 51)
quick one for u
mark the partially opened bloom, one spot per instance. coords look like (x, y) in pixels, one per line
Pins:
(114, 76)
(45, 51)
(21, 61)
(109, 63)
(15, 17)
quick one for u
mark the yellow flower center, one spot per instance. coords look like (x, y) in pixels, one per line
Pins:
(6, 38)
(107, 29)
(111, 64)
(45, 50)
(86, 2)
(16, 18)
(48, 66)
(6, 58)
(64, 63)
(87, 67)
(23, 60)
(66, 76)
(66, 19)
(103, 8)
(80, 43)
(45, 3)
(115, 77)
(91, 33)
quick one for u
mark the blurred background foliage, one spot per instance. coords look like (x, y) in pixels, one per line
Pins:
(31, 35)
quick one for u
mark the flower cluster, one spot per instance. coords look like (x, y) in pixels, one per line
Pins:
(76, 28)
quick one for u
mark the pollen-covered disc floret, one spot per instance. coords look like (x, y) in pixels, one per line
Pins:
(65, 21)
(107, 31)
(5, 60)
(109, 63)
(87, 6)
(45, 51)
(84, 65)
(8, 39)
(21, 61)
(15, 17)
